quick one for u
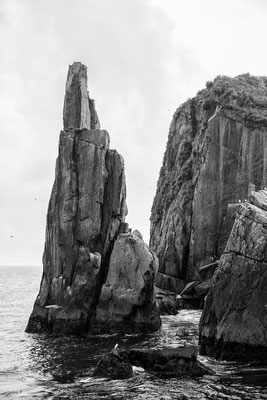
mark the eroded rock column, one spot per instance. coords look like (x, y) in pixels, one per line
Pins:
(86, 209)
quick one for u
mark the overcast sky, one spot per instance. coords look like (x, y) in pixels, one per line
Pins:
(144, 58)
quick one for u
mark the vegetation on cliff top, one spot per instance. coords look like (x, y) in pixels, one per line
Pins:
(245, 96)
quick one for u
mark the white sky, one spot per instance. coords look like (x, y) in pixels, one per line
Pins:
(144, 58)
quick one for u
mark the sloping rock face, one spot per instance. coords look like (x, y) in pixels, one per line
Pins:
(216, 155)
(85, 215)
(234, 320)
(127, 302)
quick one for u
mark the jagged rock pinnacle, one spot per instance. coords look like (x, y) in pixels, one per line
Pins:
(79, 110)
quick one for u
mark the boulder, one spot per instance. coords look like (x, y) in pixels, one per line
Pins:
(114, 365)
(216, 155)
(233, 324)
(168, 302)
(127, 301)
(166, 362)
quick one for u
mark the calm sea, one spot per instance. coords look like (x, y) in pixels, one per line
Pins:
(44, 367)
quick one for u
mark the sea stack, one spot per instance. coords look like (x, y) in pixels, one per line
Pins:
(86, 213)
(234, 319)
(216, 156)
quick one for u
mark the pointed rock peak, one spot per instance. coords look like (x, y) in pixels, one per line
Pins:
(79, 111)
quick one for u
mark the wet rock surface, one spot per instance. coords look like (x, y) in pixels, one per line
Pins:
(215, 156)
(234, 320)
(167, 362)
(114, 365)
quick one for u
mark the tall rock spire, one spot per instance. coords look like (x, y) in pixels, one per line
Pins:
(85, 214)
(85, 217)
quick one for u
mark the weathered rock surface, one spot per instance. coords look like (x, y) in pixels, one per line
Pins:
(85, 216)
(127, 301)
(216, 155)
(234, 320)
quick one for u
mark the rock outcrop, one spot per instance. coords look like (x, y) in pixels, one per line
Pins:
(234, 320)
(165, 362)
(114, 365)
(127, 301)
(216, 155)
(85, 216)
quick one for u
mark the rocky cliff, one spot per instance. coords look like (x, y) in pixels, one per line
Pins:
(86, 214)
(234, 320)
(216, 155)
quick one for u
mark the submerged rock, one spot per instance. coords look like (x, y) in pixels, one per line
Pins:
(127, 301)
(169, 361)
(114, 365)
(234, 320)
(85, 216)
(166, 362)
(216, 155)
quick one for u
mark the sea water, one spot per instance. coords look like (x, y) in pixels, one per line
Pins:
(36, 366)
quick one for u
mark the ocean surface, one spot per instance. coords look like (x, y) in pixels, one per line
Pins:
(43, 367)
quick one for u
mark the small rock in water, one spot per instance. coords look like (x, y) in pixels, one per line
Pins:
(114, 366)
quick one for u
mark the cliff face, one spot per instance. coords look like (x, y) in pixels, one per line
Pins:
(216, 155)
(85, 214)
(234, 322)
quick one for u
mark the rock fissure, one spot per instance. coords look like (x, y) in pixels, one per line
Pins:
(262, 260)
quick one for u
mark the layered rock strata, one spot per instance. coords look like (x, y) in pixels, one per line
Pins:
(234, 320)
(216, 155)
(85, 216)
